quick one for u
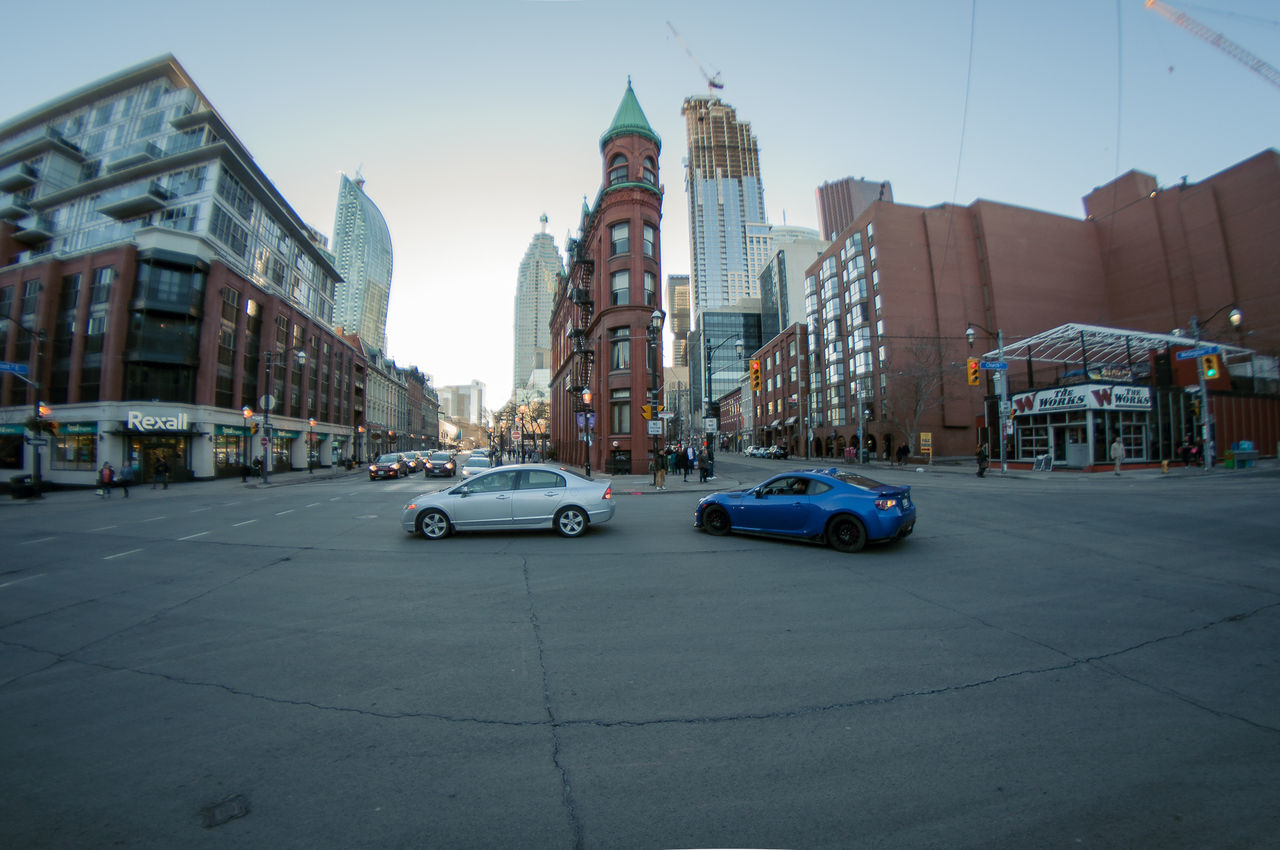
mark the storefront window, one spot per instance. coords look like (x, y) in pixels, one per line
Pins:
(230, 454)
(74, 451)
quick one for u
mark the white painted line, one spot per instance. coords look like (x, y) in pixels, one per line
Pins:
(154, 518)
(194, 536)
(282, 513)
(197, 510)
(103, 528)
(18, 580)
(41, 540)
(312, 505)
(246, 522)
(121, 554)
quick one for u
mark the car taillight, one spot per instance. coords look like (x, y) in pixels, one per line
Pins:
(885, 504)
(608, 492)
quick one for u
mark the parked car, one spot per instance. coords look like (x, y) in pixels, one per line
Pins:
(388, 466)
(441, 464)
(475, 463)
(755, 451)
(843, 509)
(776, 452)
(520, 496)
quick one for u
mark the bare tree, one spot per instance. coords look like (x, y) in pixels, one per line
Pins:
(915, 384)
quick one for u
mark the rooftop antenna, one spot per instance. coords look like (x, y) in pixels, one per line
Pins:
(713, 80)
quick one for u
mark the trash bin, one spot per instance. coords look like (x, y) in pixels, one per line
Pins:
(20, 487)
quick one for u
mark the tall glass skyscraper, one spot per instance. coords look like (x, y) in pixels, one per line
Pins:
(535, 290)
(362, 244)
(728, 229)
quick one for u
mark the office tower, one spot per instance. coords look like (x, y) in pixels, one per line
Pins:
(362, 244)
(728, 229)
(841, 202)
(782, 278)
(540, 268)
(678, 317)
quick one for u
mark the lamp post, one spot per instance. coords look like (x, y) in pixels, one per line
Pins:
(1206, 420)
(712, 349)
(311, 441)
(654, 334)
(247, 460)
(589, 425)
(267, 402)
(1003, 378)
(39, 337)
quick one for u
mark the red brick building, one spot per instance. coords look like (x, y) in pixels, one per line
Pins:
(602, 365)
(889, 302)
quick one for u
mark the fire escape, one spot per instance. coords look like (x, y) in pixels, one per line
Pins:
(581, 276)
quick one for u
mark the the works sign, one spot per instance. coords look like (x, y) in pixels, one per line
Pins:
(1083, 397)
(138, 421)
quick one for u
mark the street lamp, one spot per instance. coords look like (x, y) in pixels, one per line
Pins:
(311, 439)
(588, 418)
(712, 349)
(247, 460)
(1003, 378)
(1206, 420)
(39, 336)
(268, 401)
(654, 334)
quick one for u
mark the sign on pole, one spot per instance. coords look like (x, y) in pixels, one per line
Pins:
(15, 368)
(1193, 353)
(998, 365)
(655, 427)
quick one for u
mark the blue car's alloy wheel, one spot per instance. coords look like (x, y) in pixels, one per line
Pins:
(715, 520)
(846, 534)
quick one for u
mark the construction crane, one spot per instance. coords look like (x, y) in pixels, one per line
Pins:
(1218, 40)
(713, 80)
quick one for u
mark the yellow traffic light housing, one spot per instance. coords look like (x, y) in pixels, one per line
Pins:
(1212, 366)
(755, 376)
(975, 372)
(646, 410)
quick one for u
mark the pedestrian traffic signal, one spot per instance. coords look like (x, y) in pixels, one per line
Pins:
(975, 372)
(755, 375)
(1212, 367)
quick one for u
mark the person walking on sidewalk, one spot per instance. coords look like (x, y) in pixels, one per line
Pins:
(984, 460)
(660, 470)
(126, 478)
(690, 461)
(1117, 452)
(105, 476)
(161, 473)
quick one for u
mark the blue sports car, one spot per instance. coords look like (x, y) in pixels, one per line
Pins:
(842, 508)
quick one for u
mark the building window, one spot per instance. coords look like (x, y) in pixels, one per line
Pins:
(620, 287)
(650, 288)
(620, 238)
(620, 411)
(617, 170)
(650, 171)
(620, 348)
(650, 241)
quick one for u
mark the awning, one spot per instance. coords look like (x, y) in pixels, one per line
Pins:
(1102, 346)
(791, 420)
(775, 423)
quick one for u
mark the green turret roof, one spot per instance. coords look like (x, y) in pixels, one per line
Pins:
(629, 120)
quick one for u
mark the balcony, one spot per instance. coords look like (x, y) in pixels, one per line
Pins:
(34, 229)
(16, 177)
(40, 141)
(138, 153)
(13, 207)
(135, 201)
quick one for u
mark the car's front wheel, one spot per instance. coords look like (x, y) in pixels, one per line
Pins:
(571, 522)
(433, 525)
(846, 534)
(715, 520)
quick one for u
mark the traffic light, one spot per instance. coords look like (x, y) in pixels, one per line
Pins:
(646, 410)
(975, 373)
(1212, 368)
(755, 375)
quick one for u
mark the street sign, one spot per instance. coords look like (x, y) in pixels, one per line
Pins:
(655, 427)
(710, 424)
(998, 365)
(267, 402)
(667, 414)
(264, 442)
(38, 441)
(1193, 353)
(15, 368)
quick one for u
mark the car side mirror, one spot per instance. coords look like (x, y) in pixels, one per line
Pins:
(463, 492)
(759, 494)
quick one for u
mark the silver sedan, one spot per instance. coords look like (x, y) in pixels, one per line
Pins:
(526, 495)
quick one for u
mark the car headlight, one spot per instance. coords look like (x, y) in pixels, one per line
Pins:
(449, 465)
(411, 506)
(373, 467)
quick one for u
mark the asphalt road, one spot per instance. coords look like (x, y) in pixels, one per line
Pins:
(1083, 661)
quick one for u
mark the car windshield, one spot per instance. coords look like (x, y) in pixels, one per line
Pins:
(389, 459)
(478, 461)
(441, 457)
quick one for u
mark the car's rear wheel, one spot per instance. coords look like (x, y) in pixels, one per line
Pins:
(715, 520)
(433, 525)
(846, 534)
(571, 522)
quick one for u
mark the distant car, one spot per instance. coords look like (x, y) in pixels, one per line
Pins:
(480, 452)
(755, 451)
(843, 509)
(521, 496)
(475, 463)
(441, 465)
(388, 466)
(776, 452)
(416, 460)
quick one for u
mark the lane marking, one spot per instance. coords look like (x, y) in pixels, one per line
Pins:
(312, 505)
(246, 522)
(18, 580)
(104, 528)
(121, 554)
(154, 518)
(198, 510)
(282, 513)
(41, 540)
(194, 536)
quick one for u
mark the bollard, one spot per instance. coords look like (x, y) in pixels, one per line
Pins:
(1164, 467)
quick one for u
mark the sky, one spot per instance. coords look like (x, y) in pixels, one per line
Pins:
(471, 119)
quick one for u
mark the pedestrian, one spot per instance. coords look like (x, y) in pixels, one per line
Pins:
(105, 476)
(126, 478)
(160, 473)
(690, 460)
(1117, 452)
(903, 454)
(702, 462)
(984, 460)
(1186, 452)
(660, 470)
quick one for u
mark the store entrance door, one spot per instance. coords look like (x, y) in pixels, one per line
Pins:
(1071, 446)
